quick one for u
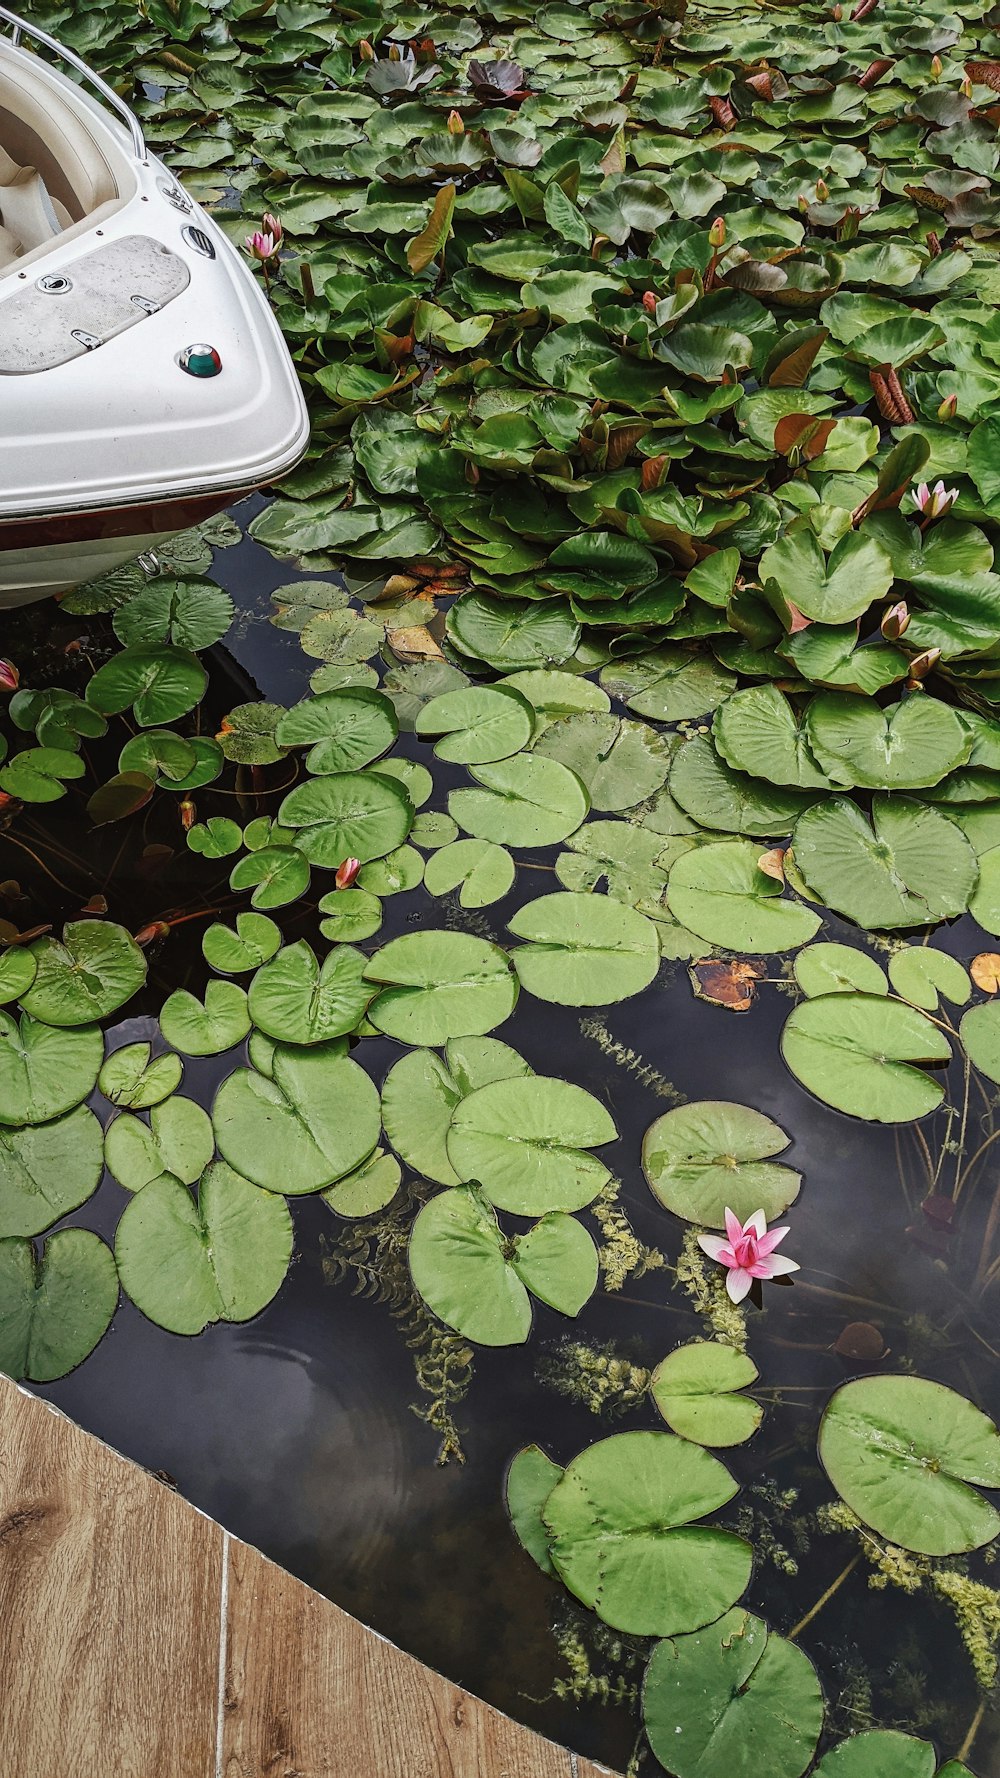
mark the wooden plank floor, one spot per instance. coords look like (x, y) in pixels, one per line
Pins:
(139, 1640)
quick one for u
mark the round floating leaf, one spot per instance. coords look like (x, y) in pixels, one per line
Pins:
(980, 1036)
(883, 1753)
(208, 763)
(513, 633)
(838, 969)
(619, 762)
(395, 874)
(477, 723)
(160, 684)
(17, 972)
(907, 1456)
(134, 1079)
(477, 1282)
(314, 1121)
(921, 975)
(431, 830)
(276, 874)
(35, 776)
(45, 1071)
(522, 1141)
(707, 788)
(191, 614)
(158, 754)
(352, 914)
(552, 693)
(484, 873)
(54, 1309)
(255, 940)
(294, 1000)
(525, 801)
(178, 1139)
(186, 1263)
(370, 1188)
(863, 1055)
(205, 1028)
(829, 654)
(703, 1158)
(720, 893)
(437, 985)
(693, 1389)
(732, 1701)
(120, 797)
(421, 1092)
(344, 730)
(247, 734)
(834, 590)
(670, 684)
(350, 815)
(913, 743)
(621, 1539)
(584, 950)
(530, 1480)
(91, 973)
(47, 1170)
(218, 837)
(758, 731)
(908, 866)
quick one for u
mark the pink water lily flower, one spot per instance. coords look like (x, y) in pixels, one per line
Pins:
(747, 1252)
(262, 247)
(933, 503)
(347, 872)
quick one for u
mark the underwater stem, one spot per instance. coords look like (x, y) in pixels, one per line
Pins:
(824, 1597)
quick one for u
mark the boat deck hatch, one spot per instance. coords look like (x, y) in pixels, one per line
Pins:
(65, 314)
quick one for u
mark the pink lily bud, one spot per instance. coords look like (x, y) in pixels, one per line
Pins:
(747, 1252)
(365, 50)
(456, 125)
(933, 503)
(922, 664)
(717, 232)
(155, 929)
(948, 408)
(188, 814)
(895, 621)
(649, 301)
(261, 246)
(10, 678)
(347, 872)
(966, 88)
(822, 190)
(272, 226)
(937, 67)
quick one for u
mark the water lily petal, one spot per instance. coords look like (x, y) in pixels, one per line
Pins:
(716, 1247)
(757, 1222)
(767, 1243)
(738, 1283)
(734, 1227)
(779, 1265)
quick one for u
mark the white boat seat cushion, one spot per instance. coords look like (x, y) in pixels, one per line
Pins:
(41, 129)
(10, 247)
(26, 209)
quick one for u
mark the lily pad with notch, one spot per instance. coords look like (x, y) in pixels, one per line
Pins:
(344, 730)
(95, 968)
(45, 1070)
(177, 1139)
(524, 1141)
(295, 999)
(54, 1307)
(696, 1389)
(313, 1120)
(584, 950)
(421, 1093)
(712, 1155)
(347, 815)
(720, 893)
(477, 724)
(866, 1055)
(134, 1079)
(47, 1170)
(434, 985)
(907, 865)
(230, 951)
(526, 800)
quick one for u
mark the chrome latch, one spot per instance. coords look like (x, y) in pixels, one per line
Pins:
(146, 304)
(89, 341)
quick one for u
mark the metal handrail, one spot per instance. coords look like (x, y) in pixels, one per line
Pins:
(21, 27)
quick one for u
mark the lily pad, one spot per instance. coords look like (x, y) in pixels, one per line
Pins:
(881, 1753)
(276, 874)
(620, 763)
(205, 1028)
(530, 1480)
(438, 985)
(349, 815)
(344, 730)
(913, 743)
(694, 1388)
(88, 975)
(47, 1170)
(369, 1189)
(671, 684)
(187, 1262)
(134, 1079)
(865, 1055)
(584, 950)
(720, 893)
(421, 1094)
(838, 969)
(830, 590)
(922, 975)
(54, 1309)
(908, 1455)
(525, 801)
(758, 731)
(17, 972)
(159, 683)
(482, 872)
(703, 1158)
(477, 723)
(315, 1120)
(622, 1540)
(351, 915)
(178, 1139)
(980, 1035)
(731, 802)
(906, 867)
(296, 1000)
(44, 1070)
(254, 941)
(523, 1140)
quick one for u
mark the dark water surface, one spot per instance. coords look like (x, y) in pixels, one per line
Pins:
(297, 1430)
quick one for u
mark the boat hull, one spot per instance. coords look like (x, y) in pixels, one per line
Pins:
(47, 556)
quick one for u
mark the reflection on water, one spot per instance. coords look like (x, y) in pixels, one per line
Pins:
(298, 1430)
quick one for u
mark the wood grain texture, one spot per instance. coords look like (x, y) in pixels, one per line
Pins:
(310, 1693)
(110, 1591)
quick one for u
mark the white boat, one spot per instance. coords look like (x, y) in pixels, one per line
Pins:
(144, 382)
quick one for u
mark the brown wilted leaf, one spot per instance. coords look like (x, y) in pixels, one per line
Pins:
(413, 644)
(860, 1341)
(984, 74)
(730, 984)
(772, 863)
(802, 436)
(985, 971)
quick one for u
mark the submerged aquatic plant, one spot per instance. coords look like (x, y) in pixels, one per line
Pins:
(747, 1252)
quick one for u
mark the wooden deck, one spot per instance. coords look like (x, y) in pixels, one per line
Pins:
(139, 1640)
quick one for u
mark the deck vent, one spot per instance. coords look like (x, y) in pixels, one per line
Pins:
(197, 238)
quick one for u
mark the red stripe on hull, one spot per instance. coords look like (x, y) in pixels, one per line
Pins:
(153, 518)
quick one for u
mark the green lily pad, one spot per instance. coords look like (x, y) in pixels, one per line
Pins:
(315, 1120)
(710, 1156)
(838, 969)
(478, 1283)
(205, 1028)
(720, 893)
(730, 802)
(276, 874)
(512, 633)
(671, 684)
(45, 1070)
(477, 724)
(47, 1170)
(584, 950)
(178, 1139)
(622, 1540)
(834, 589)
(619, 762)
(922, 975)
(530, 1480)
(191, 614)
(882, 1753)
(369, 1189)
(482, 872)
(295, 1000)
(523, 1141)
(913, 743)
(17, 972)
(134, 1079)
(980, 1035)
(420, 1095)
(88, 975)
(694, 1389)
(732, 1699)
(218, 837)
(525, 801)
(349, 815)
(159, 754)
(908, 1455)
(438, 985)
(159, 683)
(344, 730)
(909, 865)
(397, 872)
(54, 1309)
(865, 1055)
(758, 731)
(351, 915)
(254, 941)
(186, 1262)
(37, 774)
